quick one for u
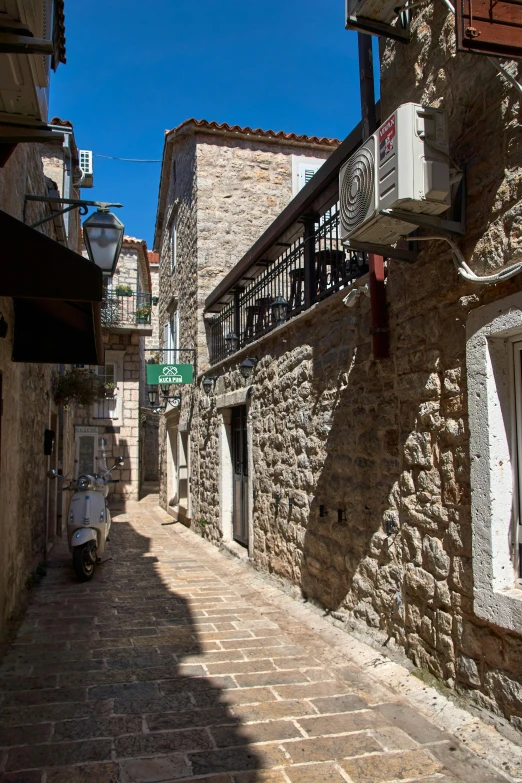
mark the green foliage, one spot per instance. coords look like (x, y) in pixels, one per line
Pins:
(143, 313)
(202, 522)
(80, 386)
(123, 290)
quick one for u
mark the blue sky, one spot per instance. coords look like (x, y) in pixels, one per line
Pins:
(134, 70)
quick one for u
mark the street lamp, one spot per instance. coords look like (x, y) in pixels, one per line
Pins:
(232, 343)
(103, 234)
(153, 396)
(279, 309)
(208, 382)
(246, 368)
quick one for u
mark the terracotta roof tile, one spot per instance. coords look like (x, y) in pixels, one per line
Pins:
(63, 123)
(153, 257)
(246, 131)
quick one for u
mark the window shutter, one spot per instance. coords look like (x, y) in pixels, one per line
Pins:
(306, 172)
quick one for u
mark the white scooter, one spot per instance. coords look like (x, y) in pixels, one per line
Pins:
(89, 520)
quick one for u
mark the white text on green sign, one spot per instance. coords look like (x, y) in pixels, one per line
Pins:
(169, 373)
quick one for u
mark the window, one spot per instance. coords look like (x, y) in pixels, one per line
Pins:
(173, 245)
(303, 169)
(111, 373)
(494, 380)
(86, 451)
(106, 409)
(171, 338)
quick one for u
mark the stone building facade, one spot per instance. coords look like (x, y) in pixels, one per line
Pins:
(112, 428)
(387, 491)
(221, 186)
(32, 507)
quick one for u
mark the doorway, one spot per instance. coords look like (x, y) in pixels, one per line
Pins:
(183, 473)
(240, 474)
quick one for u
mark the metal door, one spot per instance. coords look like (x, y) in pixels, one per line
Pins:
(240, 471)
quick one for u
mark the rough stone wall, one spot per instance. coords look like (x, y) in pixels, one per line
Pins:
(179, 289)
(242, 187)
(225, 193)
(26, 529)
(384, 446)
(126, 273)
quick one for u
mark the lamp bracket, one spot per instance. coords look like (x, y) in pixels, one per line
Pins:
(72, 203)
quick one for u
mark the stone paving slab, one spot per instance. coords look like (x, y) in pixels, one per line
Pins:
(177, 663)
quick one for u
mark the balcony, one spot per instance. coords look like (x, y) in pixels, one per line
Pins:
(125, 311)
(309, 269)
(300, 258)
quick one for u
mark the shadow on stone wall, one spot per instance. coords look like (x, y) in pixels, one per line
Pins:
(346, 551)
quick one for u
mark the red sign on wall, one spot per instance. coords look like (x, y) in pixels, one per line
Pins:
(489, 27)
(387, 138)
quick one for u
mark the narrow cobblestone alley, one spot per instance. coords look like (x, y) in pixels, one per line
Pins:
(179, 663)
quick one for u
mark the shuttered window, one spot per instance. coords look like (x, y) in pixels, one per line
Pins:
(303, 169)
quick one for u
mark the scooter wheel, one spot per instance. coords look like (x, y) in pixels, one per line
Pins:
(84, 561)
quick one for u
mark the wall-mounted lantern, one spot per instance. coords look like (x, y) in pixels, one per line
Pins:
(232, 343)
(279, 309)
(208, 383)
(153, 395)
(246, 368)
(103, 234)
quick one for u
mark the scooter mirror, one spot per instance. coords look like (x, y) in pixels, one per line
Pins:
(52, 474)
(119, 460)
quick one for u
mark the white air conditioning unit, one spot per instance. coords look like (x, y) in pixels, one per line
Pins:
(403, 166)
(24, 79)
(87, 180)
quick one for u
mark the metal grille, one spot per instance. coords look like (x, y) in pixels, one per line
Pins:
(333, 267)
(357, 184)
(126, 310)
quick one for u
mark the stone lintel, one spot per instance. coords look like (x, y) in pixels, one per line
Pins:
(233, 398)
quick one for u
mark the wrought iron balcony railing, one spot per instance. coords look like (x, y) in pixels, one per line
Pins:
(311, 268)
(126, 309)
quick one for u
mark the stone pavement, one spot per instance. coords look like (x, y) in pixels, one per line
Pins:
(178, 663)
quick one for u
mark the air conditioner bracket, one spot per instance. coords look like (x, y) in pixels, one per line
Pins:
(426, 221)
(372, 26)
(387, 251)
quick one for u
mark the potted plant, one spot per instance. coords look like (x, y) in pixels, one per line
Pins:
(110, 389)
(123, 290)
(80, 386)
(143, 315)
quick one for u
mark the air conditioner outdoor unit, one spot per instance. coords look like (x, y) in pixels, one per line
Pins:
(405, 166)
(87, 180)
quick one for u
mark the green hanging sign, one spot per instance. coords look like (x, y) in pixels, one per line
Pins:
(169, 373)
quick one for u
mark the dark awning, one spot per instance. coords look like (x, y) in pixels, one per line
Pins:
(57, 295)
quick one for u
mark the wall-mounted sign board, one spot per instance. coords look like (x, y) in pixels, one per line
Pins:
(169, 373)
(489, 27)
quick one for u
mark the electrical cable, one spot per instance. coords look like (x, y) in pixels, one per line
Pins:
(128, 160)
(464, 270)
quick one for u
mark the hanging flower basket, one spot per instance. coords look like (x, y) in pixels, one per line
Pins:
(79, 386)
(123, 290)
(143, 315)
